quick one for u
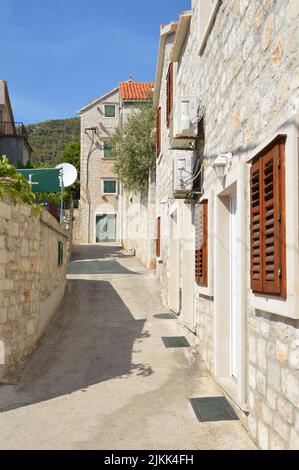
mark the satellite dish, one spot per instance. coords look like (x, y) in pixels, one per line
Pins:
(69, 172)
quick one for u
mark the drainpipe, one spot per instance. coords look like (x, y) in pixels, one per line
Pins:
(94, 131)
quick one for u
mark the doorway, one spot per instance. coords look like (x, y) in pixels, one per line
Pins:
(188, 267)
(106, 228)
(174, 265)
(230, 289)
(234, 320)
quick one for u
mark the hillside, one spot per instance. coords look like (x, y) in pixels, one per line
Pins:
(49, 138)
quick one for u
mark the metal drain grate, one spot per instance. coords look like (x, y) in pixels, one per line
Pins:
(213, 409)
(165, 316)
(175, 342)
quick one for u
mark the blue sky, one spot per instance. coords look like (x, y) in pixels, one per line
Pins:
(57, 55)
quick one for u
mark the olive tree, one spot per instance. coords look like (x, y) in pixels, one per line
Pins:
(133, 146)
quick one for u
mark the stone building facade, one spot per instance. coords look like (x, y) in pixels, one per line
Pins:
(101, 216)
(139, 215)
(99, 120)
(13, 135)
(33, 258)
(239, 62)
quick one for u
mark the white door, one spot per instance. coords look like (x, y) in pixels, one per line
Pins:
(106, 228)
(234, 314)
(174, 276)
(188, 269)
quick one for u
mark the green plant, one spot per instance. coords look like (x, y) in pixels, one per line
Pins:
(71, 154)
(14, 186)
(134, 148)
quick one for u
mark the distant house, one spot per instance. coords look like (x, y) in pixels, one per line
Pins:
(100, 215)
(13, 135)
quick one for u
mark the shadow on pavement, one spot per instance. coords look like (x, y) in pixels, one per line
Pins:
(88, 252)
(97, 267)
(89, 341)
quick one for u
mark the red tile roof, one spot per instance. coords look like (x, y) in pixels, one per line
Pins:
(134, 91)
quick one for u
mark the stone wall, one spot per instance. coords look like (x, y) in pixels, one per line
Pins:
(274, 381)
(32, 284)
(139, 215)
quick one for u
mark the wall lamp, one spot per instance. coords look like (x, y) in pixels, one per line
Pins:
(220, 165)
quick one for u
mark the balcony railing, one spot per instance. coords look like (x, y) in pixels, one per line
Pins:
(13, 128)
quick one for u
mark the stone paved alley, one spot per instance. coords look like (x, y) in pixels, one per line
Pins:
(101, 377)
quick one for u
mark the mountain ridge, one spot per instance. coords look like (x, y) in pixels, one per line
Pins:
(49, 138)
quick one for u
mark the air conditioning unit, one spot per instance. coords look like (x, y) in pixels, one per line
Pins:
(185, 120)
(183, 172)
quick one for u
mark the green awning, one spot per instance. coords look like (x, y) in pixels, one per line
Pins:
(44, 180)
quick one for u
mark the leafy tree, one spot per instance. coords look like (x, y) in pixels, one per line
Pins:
(13, 185)
(71, 154)
(134, 148)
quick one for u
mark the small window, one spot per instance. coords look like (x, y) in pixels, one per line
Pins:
(110, 110)
(198, 170)
(109, 186)
(60, 253)
(107, 150)
(169, 93)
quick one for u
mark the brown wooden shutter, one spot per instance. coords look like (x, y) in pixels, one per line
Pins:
(169, 94)
(268, 250)
(201, 248)
(158, 241)
(158, 132)
(255, 227)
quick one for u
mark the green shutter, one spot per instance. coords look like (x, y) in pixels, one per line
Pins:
(110, 187)
(110, 110)
(107, 150)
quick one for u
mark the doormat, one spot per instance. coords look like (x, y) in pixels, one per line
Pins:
(165, 316)
(213, 409)
(175, 342)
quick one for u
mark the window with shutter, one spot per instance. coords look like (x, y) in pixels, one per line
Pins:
(267, 224)
(158, 241)
(107, 150)
(158, 125)
(201, 244)
(109, 186)
(110, 111)
(169, 91)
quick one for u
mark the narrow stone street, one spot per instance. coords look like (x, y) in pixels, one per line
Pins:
(101, 378)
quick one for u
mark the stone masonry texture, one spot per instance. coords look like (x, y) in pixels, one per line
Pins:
(247, 82)
(31, 282)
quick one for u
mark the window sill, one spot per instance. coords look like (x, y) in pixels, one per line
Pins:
(288, 308)
(204, 291)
